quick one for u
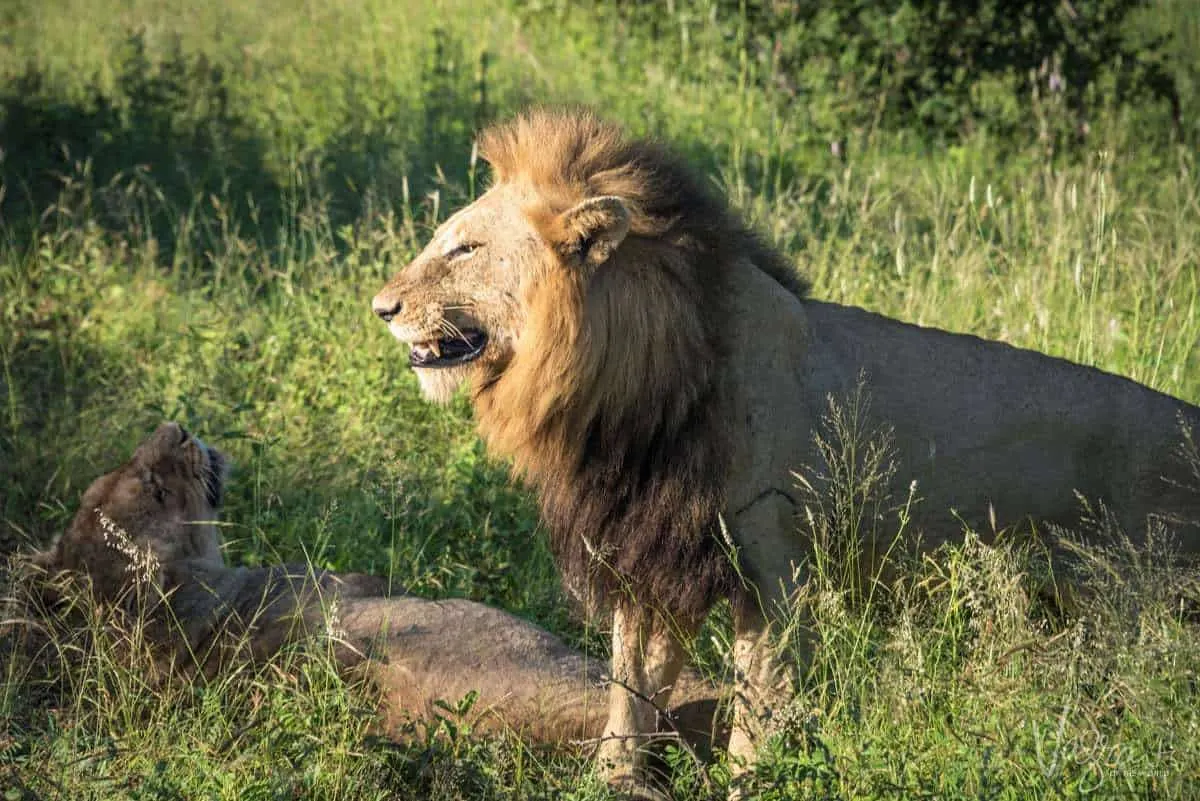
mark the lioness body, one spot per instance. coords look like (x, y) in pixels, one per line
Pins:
(655, 372)
(145, 542)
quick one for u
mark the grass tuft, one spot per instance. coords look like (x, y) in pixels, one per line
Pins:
(198, 202)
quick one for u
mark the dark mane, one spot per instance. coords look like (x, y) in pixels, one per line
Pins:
(614, 405)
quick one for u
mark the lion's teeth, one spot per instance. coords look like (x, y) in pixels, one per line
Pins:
(436, 348)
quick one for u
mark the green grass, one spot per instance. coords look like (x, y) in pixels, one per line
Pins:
(239, 179)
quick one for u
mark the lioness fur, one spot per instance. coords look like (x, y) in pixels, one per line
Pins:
(144, 546)
(653, 370)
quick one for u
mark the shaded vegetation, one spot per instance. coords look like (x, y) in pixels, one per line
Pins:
(1017, 68)
(198, 202)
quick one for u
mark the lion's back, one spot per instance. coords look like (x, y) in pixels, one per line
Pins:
(998, 432)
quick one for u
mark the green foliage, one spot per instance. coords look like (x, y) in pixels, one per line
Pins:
(198, 202)
(942, 69)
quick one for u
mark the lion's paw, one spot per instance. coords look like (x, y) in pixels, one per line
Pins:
(631, 788)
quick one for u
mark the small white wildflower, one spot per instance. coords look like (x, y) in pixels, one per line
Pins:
(334, 629)
(143, 562)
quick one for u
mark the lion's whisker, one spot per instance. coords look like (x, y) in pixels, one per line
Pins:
(453, 330)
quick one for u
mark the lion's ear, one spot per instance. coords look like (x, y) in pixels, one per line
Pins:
(590, 232)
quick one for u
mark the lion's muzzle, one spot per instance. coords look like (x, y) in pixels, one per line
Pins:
(386, 308)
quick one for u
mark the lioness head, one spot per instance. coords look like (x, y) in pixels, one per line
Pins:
(462, 304)
(157, 510)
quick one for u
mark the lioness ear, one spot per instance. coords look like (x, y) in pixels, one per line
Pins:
(591, 231)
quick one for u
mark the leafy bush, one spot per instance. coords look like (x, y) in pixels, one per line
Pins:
(943, 68)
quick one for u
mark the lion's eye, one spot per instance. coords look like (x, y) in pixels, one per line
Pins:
(151, 483)
(459, 252)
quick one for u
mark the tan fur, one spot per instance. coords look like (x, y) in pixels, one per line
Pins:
(654, 371)
(201, 615)
(632, 384)
(167, 495)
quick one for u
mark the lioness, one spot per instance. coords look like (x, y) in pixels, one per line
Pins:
(653, 369)
(145, 543)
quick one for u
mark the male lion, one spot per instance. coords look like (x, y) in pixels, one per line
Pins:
(144, 545)
(654, 370)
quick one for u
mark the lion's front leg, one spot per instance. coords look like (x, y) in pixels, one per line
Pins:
(762, 688)
(646, 660)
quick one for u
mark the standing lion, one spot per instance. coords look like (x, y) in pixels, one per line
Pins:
(655, 371)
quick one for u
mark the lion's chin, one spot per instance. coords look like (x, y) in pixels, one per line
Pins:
(440, 384)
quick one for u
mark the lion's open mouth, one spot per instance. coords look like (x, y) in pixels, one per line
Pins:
(448, 352)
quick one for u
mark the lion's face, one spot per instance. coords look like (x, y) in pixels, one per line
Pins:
(157, 509)
(461, 305)
(457, 305)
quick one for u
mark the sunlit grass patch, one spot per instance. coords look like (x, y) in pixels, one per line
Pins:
(221, 189)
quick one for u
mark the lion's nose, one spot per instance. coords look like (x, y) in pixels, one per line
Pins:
(386, 308)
